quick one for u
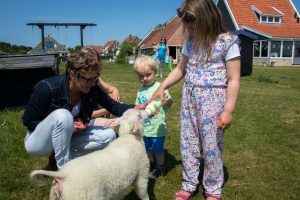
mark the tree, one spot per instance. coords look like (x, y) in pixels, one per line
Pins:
(71, 50)
(4, 46)
(126, 50)
(14, 49)
(77, 48)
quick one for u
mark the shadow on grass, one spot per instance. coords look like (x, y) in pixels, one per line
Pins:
(133, 196)
(171, 163)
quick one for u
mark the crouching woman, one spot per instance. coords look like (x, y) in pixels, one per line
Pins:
(59, 110)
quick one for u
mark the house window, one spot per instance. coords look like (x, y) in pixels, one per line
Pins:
(264, 48)
(267, 18)
(260, 49)
(49, 44)
(287, 48)
(270, 19)
(275, 48)
(256, 49)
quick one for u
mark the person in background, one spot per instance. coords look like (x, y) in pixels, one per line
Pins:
(60, 108)
(162, 52)
(211, 67)
(155, 127)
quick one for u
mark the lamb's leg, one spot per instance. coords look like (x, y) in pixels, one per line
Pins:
(120, 195)
(141, 185)
(54, 194)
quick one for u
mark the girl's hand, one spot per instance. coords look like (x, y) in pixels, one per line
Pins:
(224, 120)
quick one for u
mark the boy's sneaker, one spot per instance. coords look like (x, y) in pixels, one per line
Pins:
(157, 172)
(152, 166)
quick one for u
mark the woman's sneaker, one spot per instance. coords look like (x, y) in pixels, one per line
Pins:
(157, 172)
(51, 163)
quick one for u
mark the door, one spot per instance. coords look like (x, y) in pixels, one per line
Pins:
(296, 59)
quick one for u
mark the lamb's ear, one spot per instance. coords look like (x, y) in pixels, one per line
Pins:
(137, 127)
(112, 122)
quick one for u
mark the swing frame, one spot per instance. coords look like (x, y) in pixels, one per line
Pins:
(42, 25)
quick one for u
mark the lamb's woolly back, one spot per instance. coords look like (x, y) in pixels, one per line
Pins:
(35, 176)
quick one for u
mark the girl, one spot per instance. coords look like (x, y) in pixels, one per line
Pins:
(211, 66)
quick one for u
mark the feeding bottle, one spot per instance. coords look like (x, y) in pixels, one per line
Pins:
(153, 106)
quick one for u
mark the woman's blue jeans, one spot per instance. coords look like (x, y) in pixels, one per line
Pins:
(55, 133)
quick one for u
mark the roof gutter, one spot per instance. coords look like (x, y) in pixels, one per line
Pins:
(257, 32)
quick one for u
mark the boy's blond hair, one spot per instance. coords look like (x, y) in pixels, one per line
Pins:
(144, 60)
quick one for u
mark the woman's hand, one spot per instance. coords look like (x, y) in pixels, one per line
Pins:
(112, 122)
(114, 93)
(79, 126)
(224, 120)
(109, 89)
(140, 106)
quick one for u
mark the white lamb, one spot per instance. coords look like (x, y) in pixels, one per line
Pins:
(108, 173)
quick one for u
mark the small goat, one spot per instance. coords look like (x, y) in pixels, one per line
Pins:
(108, 173)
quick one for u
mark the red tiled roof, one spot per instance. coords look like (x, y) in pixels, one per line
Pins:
(172, 31)
(267, 10)
(244, 15)
(177, 38)
(111, 44)
(132, 39)
(98, 49)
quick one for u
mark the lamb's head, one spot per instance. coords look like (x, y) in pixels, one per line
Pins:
(132, 122)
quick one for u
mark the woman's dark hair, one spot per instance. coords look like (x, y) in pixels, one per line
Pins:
(165, 40)
(87, 59)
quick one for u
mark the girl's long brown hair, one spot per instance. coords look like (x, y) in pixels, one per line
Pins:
(202, 21)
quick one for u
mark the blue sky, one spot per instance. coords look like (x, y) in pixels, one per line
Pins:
(115, 19)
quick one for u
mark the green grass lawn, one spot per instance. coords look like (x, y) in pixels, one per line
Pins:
(261, 156)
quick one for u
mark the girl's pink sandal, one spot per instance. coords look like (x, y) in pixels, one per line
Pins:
(212, 196)
(182, 196)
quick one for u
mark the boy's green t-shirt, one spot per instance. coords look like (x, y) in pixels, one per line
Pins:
(154, 126)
